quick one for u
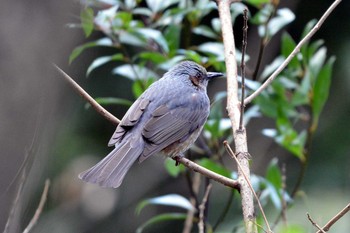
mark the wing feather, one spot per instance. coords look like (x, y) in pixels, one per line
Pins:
(167, 126)
(131, 117)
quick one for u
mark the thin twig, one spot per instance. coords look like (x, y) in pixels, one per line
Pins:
(314, 223)
(88, 98)
(335, 218)
(293, 53)
(284, 202)
(201, 223)
(194, 188)
(38, 211)
(210, 174)
(232, 154)
(244, 48)
(263, 43)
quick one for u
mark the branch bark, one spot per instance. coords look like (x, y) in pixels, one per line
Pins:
(335, 218)
(88, 98)
(240, 138)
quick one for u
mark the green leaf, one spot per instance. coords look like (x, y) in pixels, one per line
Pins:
(167, 200)
(269, 69)
(289, 137)
(173, 170)
(103, 60)
(172, 35)
(191, 55)
(273, 174)
(155, 35)
(283, 17)
(87, 20)
(316, 62)
(321, 89)
(215, 48)
(257, 3)
(171, 62)
(215, 167)
(293, 229)
(306, 30)
(206, 31)
(139, 86)
(155, 57)
(301, 95)
(134, 72)
(78, 50)
(288, 44)
(263, 15)
(236, 10)
(161, 218)
(308, 27)
(160, 5)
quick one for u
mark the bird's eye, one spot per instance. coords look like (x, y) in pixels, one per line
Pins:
(195, 80)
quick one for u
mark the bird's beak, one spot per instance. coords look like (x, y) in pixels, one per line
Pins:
(211, 75)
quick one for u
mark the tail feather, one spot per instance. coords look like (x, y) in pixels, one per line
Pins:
(110, 171)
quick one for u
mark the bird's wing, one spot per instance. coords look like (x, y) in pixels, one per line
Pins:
(130, 118)
(168, 125)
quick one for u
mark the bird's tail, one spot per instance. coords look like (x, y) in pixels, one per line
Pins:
(110, 171)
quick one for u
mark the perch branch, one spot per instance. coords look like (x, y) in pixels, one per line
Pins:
(293, 53)
(88, 98)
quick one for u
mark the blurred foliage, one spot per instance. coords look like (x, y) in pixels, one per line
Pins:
(150, 36)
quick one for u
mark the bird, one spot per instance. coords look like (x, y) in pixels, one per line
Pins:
(167, 118)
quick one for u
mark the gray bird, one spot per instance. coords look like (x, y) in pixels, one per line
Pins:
(168, 117)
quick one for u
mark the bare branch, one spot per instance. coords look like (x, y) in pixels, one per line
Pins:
(293, 53)
(335, 219)
(244, 47)
(314, 223)
(88, 98)
(234, 113)
(232, 154)
(210, 174)
(201, 224)
(38, 211)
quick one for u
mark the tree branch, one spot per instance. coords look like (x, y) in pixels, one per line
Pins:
(88, 98)
(232, 154)
(201, 223)
(234, 113)
(38, 211)
(293, 53)
(335, 219)
(314, 223)
(210, 174)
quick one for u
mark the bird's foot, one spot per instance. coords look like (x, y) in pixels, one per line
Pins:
(177, 159)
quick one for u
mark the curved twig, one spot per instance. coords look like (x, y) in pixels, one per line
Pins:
(293, 53)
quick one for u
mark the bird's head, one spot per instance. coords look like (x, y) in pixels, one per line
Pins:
(196, 74)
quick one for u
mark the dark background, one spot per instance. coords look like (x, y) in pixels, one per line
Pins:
(43, 120)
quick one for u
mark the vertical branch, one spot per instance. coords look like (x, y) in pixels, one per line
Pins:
(234, 114)
(244, 47)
